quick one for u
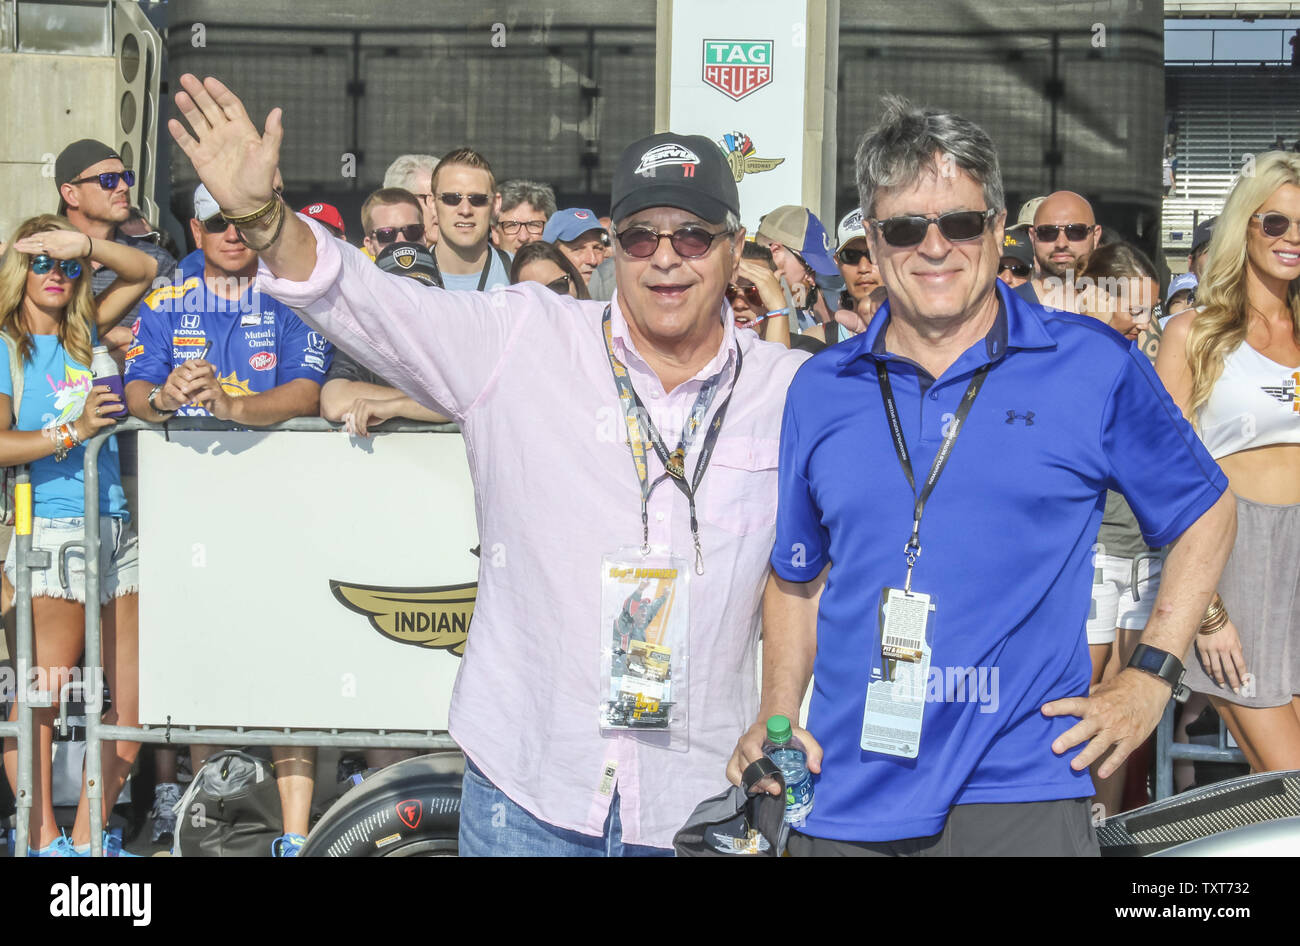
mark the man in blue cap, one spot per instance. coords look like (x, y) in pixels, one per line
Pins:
(577, 234)
(801, 250)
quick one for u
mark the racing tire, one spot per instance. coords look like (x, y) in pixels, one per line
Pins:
(410, 809)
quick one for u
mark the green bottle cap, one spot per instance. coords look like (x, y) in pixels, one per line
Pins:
(778, 729)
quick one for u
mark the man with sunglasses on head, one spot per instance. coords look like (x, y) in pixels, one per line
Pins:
(603, 439)
(1064, 234)
(464, 200)
(942, 611)
(95, 195)
(390, 215)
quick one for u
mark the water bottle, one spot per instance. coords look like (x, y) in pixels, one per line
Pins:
(788, 753)
(104, 370)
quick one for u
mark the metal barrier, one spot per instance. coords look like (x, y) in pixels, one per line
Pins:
(96, 731)
(1168, 752)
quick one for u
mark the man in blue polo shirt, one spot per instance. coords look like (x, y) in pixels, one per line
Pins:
(210, 345)
(946, 636)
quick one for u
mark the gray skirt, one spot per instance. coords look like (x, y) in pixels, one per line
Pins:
(1260, 586)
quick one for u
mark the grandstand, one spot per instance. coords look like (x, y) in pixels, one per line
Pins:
(1222, 107)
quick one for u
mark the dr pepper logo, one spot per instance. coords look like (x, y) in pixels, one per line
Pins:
(262, 361)
(737, 67)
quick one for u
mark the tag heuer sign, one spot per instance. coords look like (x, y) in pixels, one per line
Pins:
(737, 67)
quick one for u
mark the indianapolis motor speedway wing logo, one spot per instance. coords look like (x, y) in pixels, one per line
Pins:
(437, 617)
(742, 157)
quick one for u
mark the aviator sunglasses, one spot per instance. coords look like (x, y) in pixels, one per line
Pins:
(750, 293)
(1274, 224)
(108, 180)
(956, 227)
(688, 242)
(43, 264)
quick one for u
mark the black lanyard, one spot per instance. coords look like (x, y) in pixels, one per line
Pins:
(487, 268)
(640, 428)
(913, 547)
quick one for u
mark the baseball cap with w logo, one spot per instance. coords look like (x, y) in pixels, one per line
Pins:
(689, 172)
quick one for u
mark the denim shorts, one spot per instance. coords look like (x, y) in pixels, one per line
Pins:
(119, 559)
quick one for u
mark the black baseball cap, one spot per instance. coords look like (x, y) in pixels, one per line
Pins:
(1201, 235)
(671, 170)
(75, 158)
(410, 259)
(1015, 244)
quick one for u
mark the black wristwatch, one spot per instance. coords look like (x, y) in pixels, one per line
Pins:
(1162, 664)
(154, 407)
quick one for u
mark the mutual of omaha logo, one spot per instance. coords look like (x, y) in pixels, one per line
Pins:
(436, 617)
(742, 157)
(665, 155)
(737, 67)
(404, 256)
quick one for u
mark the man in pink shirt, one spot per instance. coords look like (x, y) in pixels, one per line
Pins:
(584, 734)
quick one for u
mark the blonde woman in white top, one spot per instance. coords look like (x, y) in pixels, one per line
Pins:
(1233, 366)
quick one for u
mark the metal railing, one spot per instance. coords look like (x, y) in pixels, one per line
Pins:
(96, 731)
(1168, 752)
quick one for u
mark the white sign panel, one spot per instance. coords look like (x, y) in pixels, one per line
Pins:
(737, 77)
(303, 579)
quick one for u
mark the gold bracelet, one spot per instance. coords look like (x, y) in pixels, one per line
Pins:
(279, 227)
(257, 214)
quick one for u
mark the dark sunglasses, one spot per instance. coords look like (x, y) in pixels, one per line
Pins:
(750, 293)
(688, 242)
(956, 227)
(853, 257)
(43, 264)
(1019, 270)
(475, 200)
(1074, 232)
(215, 224)
(411, 233)
(108, 180)
(559, 285)
(1274, 224)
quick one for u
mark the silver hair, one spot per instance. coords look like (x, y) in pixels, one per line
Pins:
(412, 172)
(905, 143)
(540, 196)
(731, 221)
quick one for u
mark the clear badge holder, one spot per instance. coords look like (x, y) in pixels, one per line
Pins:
(645, 654)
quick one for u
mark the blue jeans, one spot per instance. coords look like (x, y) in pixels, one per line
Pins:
(491, 825)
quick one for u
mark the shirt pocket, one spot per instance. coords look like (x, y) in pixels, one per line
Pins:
(740, 485)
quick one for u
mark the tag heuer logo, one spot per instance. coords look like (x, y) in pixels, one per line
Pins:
(405, 257)
(435, 617)
(741, 158)
(737, 67)
(666, 154)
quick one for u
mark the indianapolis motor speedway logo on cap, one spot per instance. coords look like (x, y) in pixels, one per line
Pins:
(741, 156)
(668, 154)
(435, 617)
(405, 257)
(737, 67)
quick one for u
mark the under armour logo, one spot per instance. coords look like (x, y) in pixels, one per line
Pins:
(1027, 417)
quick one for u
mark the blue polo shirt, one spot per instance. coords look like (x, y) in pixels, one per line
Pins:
(1068, 410)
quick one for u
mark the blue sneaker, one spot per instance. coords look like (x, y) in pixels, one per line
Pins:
(59, 847)
(287, 845)
(112, 846)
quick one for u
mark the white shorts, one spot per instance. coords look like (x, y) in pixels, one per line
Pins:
(119, 559)
(1114, 603)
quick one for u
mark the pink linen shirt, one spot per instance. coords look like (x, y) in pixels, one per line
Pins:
(525, 374)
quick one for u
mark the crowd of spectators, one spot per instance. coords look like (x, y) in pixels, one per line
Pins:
(197, 336)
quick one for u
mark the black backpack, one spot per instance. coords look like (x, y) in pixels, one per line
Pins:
(231, 809)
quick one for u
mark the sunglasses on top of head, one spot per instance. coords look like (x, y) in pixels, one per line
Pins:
(958, 226)
(42, 264)
(1274, 224)
(452, 199)
(411, 233)
(687, 242)
(1074, 232)
(108, 180)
